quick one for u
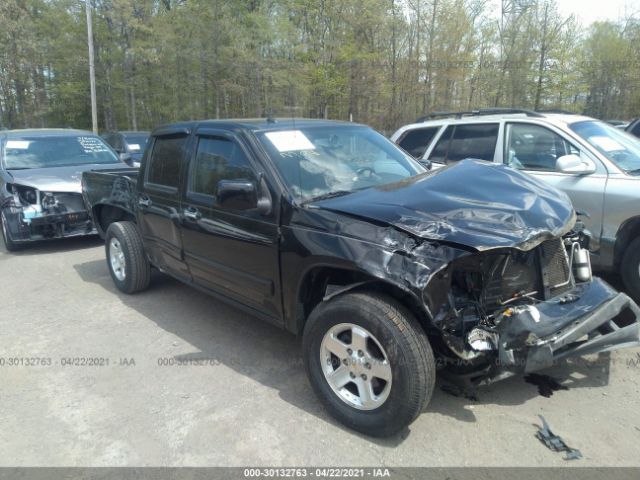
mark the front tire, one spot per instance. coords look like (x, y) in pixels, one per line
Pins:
(126, 259)
(630, 269)
(9, 244)
(369, 361)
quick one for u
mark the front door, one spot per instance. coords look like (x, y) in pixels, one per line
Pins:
(232, 252)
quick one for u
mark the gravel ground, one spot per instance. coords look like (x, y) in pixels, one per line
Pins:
(249, 403)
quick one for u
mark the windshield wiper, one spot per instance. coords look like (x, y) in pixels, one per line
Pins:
(326, 196)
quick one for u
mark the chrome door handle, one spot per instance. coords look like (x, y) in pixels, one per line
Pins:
(192, 214)
(144, 202)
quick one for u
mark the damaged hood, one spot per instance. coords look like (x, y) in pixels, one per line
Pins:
(472, 203)
(56, 179)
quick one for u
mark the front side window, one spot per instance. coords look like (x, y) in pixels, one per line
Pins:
(618, 146)
(416, 141)
(324, 161)
(473, 141)
(56, 151)
(166, 160)
(533, 147)
(218, 159)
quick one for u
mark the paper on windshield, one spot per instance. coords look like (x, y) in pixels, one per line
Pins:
(17, 144)
(607, 144)
(290, 140)
(92, 145)
(134, 146)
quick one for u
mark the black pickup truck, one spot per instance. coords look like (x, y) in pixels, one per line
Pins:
(388, 271)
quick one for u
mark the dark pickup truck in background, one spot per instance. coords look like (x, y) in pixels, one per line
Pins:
(388, 271)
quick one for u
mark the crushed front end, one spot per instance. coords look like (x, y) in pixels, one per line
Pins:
(31, 214)
(508, 311)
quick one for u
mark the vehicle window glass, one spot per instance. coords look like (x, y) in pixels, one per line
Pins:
(166, 159)
(118, 143)
(473, 141)
(319, 161)
(636, 129)
(56, 151)
(439, 153)
(532, 147)
(618, 146)
(217, 159)
(136, 142)
(416, 141)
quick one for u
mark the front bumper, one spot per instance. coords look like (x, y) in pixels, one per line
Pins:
(590, 318)
(22, 229)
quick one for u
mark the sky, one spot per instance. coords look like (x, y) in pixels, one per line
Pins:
(589, 11)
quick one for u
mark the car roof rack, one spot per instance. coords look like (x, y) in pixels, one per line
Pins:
(479, 112)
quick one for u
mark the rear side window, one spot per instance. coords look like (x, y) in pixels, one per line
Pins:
(218, 159)
(439, 153)
(416, 141)
(473, 141)
(166, 160)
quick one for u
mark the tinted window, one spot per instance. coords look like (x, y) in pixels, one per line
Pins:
(473, 141)
(636, 129)
(218, 159)
(439, 153)
(533, 147)
(416, 141)
(56, 151)
(166, 159)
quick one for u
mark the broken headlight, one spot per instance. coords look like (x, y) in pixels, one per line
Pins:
(24, 195)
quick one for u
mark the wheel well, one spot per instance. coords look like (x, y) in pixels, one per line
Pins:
(629, 230)
(314, 287)
(105, 215)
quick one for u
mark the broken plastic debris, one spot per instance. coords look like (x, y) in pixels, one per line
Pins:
(554, 442)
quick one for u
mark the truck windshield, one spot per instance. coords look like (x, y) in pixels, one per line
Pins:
(324, 161)
(55, 151)
(618, 146)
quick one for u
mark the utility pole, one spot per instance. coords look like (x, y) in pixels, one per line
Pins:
(92, 69)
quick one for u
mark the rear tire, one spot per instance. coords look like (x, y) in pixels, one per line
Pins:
(630, 269)
(393, 341)
(126, 259)
(9, 244)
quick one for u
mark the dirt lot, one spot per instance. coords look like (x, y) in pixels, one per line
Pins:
(244, 399)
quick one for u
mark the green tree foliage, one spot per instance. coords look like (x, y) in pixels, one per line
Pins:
(382, 62)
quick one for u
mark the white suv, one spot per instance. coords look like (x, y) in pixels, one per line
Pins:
(596, 164)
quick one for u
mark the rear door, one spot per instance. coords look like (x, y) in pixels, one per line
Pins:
(231, 252)
(417, 140)
(460, 141)
(536, 148)
(159, 200)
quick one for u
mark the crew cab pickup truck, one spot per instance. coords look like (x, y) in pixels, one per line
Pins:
(386, 270)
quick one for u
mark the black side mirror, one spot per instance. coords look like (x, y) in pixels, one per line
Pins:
(243, 194)
(237, 194)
